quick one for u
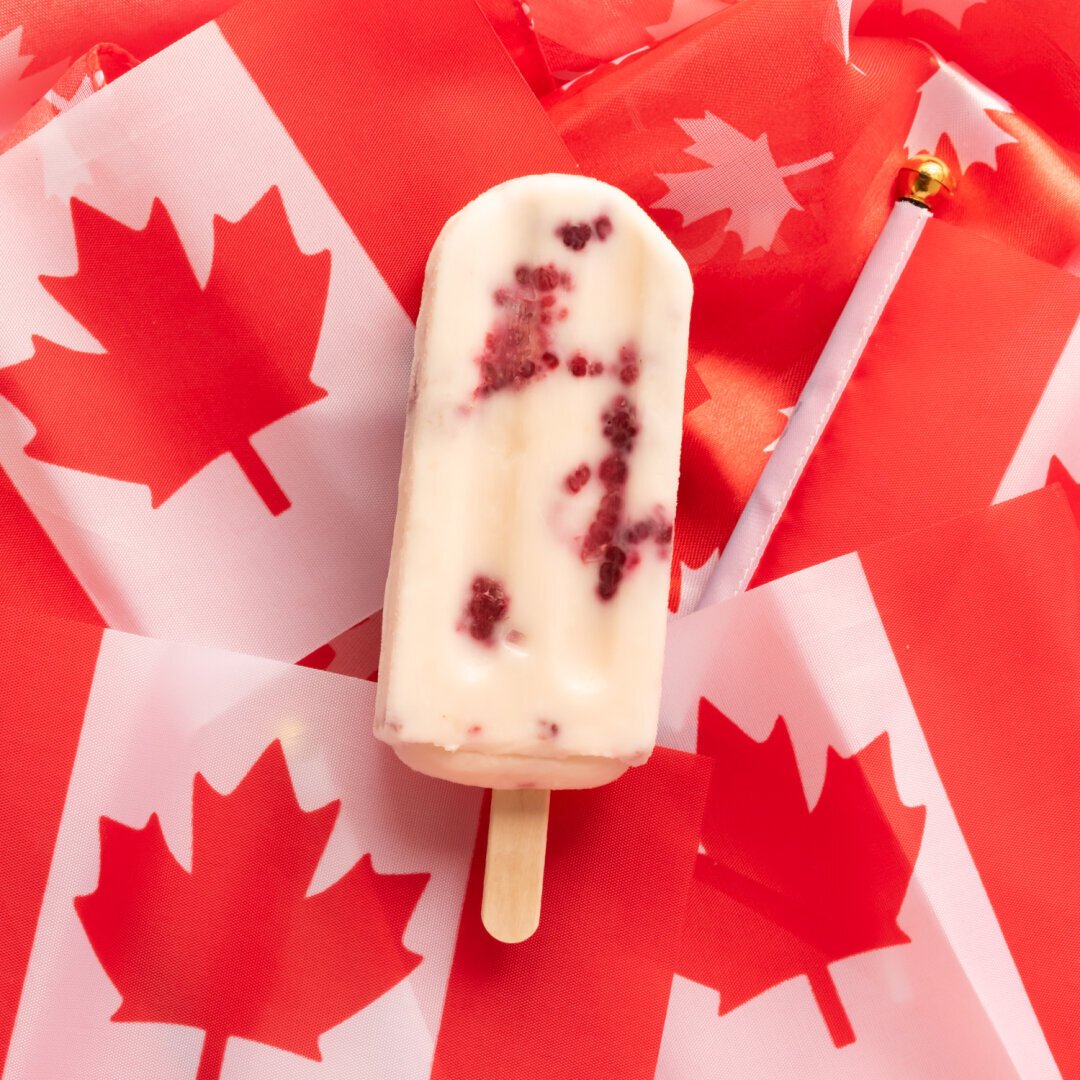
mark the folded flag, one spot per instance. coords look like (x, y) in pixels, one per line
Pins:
(768, 153)
(42, 37)
(962, 396)
(205, 368)
(226, 867)
(884, 860)
(92, 71)
(213, 869)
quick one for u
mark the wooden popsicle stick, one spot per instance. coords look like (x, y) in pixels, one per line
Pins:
(514, 871)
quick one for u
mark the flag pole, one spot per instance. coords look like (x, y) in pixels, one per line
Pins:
(921, 182)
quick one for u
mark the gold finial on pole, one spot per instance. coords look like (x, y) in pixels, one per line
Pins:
(922, 179)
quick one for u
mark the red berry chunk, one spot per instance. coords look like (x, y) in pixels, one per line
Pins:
(611, 506)
(611, 571)
(575, 237)
(545, 278)
(620, 424)
(517, 348)
(629, 369)
(613, 471)
(488, 604)
(576, 480)
(611, 539)
(603, 227)
(579, 366)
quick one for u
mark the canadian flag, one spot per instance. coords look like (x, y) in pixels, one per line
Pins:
(776, 188)
(854, 853)
(204, 368)
(882, 887)
(924, 432)
(216, 870)
(52, 33)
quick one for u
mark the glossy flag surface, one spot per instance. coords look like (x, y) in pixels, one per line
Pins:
(202, 446)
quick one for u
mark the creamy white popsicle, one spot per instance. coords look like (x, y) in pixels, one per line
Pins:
(526, 604)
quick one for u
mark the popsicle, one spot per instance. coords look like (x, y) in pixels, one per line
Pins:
(525, 607)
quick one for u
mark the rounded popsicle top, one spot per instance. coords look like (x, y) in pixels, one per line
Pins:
(592, 210)
(561, 248)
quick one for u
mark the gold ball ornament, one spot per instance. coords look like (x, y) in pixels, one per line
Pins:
(923, 180)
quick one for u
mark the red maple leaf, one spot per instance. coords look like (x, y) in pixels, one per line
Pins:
(236, 947)
(188, 374)
(1058, 474)
(781, 890)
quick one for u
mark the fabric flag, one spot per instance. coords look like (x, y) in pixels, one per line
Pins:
(587, 994)
(96, 69)
(221, 873)
(811, 414)
(1027, 50)
(885, 885)
(207, 348)
(40, 38)
(964, 395)
(768, 153)
(217, 870)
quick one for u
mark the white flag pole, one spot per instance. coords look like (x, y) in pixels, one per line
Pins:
(920, 181)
